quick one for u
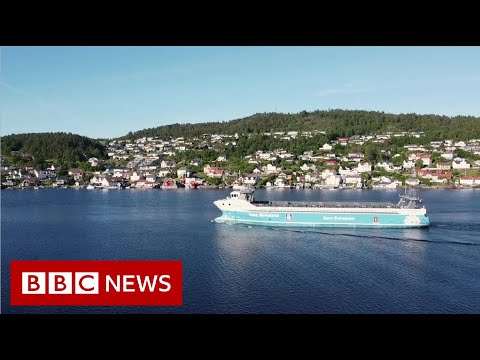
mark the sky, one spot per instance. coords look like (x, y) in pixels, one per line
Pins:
(105, 92)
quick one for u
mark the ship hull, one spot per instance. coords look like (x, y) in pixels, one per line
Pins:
(325, 219)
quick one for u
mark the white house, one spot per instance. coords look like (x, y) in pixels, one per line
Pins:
(426, 159)
(412, 182)
(459, 163)
(136, 175)
(251, 180)
(328, 172)
(363, 167)
(447, 155)
(333, 180)
(327, 147)
(355, 180)
(183, 172)
(386, 165)
(408, 164)
(271, 169)
(444, 166)
(150, 178)
(469, 180)
(163, 172)
(93, 161)
(279, 182)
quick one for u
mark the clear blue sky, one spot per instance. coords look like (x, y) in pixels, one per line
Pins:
(109, 91)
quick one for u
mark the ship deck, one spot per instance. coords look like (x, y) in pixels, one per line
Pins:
(330, 204)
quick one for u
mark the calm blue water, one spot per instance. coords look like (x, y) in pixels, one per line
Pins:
(241, 269)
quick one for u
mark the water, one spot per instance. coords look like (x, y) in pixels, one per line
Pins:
(243, 269)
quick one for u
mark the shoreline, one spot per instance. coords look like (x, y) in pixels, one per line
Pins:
(256, 188)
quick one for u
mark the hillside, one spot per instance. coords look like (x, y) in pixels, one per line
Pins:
(63, 148)
(334, 122)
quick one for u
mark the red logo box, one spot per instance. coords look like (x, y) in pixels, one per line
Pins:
(96, 282)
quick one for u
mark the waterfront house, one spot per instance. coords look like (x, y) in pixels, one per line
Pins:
(40, 174)
(31, 181)
(169, 183)
(412, 182)
(333, 180)
(183, 172)
(76, 173)
(251, 180)
(354, 180)
(469, 180)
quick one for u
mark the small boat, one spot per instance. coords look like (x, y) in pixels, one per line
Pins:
(90, 187)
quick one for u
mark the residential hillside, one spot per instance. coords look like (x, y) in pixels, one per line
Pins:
(335, 123)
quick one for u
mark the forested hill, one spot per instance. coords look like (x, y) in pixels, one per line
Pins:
(55, 147)
(334, 122)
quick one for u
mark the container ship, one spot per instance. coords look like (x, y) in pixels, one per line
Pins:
(242, 207)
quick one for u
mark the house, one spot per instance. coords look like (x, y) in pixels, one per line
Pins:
(29, 182)
(448, 155)
(363, 167)
(216, 173)
(469, 180)
(221, 158)
(333, 180)
(332, 162)
(167, 164)
(408, 164)
(61, 181)
(386, 165)
(164, 172)
(280, 182)
(136, 175)
(327, 147)
(426, 159)
(412, 182)
(460, 164)
(93, 161)
(76, 173)
(355, 180)
(196, 162)
(272, 169)
(251, 180)
(327, 173)
(40, 174)
(343, 141)
(444, 166)
(183, 172)
(169, 184)
(150, 178)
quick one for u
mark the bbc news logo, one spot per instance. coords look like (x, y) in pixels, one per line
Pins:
(90, 283)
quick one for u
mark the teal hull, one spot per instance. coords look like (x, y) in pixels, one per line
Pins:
(309, 219)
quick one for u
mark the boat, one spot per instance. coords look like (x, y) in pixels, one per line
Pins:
(242, 207)
(90, 187)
